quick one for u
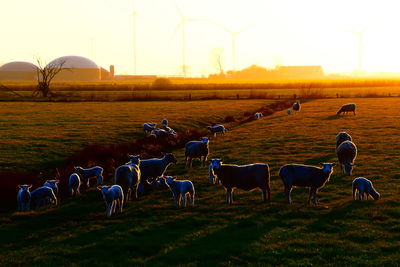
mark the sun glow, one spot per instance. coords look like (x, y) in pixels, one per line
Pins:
(309, 32)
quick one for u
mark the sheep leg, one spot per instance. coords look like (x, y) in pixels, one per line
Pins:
(228, 196)
(367, 195)
(315, 196)
(136, 189)
(288, 190)
(184, 199)
(354, 192)
(109, 207)
(264, 192)
(192, 198)
(360, 195)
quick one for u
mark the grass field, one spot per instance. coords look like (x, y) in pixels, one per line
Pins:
(339, 231)
(45, 133)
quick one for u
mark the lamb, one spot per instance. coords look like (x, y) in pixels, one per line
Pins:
(257, 116)
(213, 178)
(218, 128)
(148, 127)
(305, 176)
(296, 106)
(53, 185)
(112, 196)
(196, 149)
(346, 152)
(364, 186)
(180, 189)
(164, 122)
(153, 168)
(168, 129)
(246, 177)
(347, 108)
(341, 137)
(128, 177)
(42, 194)
(74, 183)
(24, 197)
(86, 174)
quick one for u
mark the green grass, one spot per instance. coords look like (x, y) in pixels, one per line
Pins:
(151, 231)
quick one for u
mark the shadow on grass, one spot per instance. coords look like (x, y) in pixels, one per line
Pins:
(332, 117)
(318, 160)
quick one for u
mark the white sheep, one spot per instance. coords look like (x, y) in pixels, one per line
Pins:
(112, 196)
(74, 183)
(257, 115)
(364, 186)
(86, 174)
(180, 189)
(42, 195)
(53, 185)
(24, 197)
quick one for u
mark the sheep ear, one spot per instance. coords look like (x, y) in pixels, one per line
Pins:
(99, 188)
(322, 164)
(47, 181)
(29, 186)
(163, 153)
(57, 181)
(19, 186)
(334, 164)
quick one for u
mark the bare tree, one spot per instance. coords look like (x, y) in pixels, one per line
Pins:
(45, 74)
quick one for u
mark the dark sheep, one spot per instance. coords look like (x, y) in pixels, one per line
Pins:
(346, 153)
(347, 108)
(196, 149)
(341, 137)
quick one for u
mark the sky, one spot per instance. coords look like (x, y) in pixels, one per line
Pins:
(284, 32)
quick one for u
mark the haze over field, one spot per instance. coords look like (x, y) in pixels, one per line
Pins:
(275, 33)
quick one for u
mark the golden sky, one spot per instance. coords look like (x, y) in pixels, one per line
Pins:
(308, 32)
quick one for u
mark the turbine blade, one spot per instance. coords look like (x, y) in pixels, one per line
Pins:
(179, 10)
(221, 26)
(177, 28)
(244, 29)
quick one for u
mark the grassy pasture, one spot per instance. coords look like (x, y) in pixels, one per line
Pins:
(46, 132)
(152, 232)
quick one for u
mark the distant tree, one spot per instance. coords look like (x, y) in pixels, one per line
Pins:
(161, 83)
(45, 74)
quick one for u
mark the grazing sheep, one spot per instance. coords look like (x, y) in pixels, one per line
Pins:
(180, 189)
(153, 168)
(86, 174)
(347, 108)
(53, 185)
(257, 116)
(24, 197)
(296, 106)
(364, 186)
(341, 137)
(160, 133)
(42, 194)
(305, 176)
(213, 178)
(148, 127)
(74, 183)
(168, 129)
(346, 153)
(128, 177)
(218, 128)
(246, 177)
(196, 149)
(112, 196)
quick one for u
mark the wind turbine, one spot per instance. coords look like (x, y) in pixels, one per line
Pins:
(182, 24)
(233, 36)
(134, 16)
(91, 48)
(360, 36)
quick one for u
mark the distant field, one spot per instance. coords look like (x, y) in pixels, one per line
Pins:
(339, 231)
(39, 135)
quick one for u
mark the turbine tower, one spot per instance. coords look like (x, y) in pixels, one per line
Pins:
(233, 36)
(134, 16)
(360, 36)
(182, 24)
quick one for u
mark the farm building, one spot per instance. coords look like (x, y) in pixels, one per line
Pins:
(18, 71)
(76, 68)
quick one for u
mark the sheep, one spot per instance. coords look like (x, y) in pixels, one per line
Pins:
(164, 122)
(160, 133)
(363, 185)
(296, 106)
(246, 177)
(53, 185)
(341, 137)
(289, 111)
(153, 168)
(347, 108)
(257, 116)
(148, 127)
(168, 129)
(346, 153)
(218, 128)
(180, 189)
(74, 183)
(112, 196)
(305, 176)
(128, 177)
(24, 197)
(196, 149)
(213, 178)
(42, 194)
(86, 174)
